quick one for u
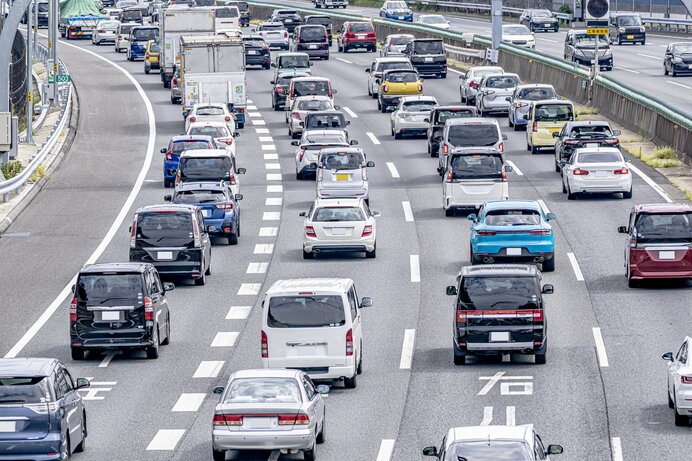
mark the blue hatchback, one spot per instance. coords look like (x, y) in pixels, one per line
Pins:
(176, 146)
(398, 10)
(513, 231)
(42, 416)
(139, 37)
(219, 206)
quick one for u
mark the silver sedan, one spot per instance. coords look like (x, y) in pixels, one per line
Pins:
(412, 116)
(471, 80)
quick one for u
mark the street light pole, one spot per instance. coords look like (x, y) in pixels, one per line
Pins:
(29, 82)
(496, 25)
(53, 12)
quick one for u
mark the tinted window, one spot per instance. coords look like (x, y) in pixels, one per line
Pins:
(321, 20)
(473, 135)
(306, 88)
(271, 27)
(480, 72)
(209, 167)
(493, 451)
(145, 34)
(325, 138)
(131, 15)
(382, 66)
(682, 49)
(419, 106)
(426, 47)
(662, 227)
(126, 28)
(590, 130)
(588, 41)
(400, 40)
(254, 42)
(313, 34)
(180, 146)
(263, 390)
(285, 80)
(154, 47)
(476, 166)
(337, 214)
(159, 226)
(512, 217)
(294, 61)
(553, 112)
(342, 160)
(306, 312)
(226, 13)
(402, 77)
(443, 115)
(536, 94)
(314, 105)
(24, 390)
(361, 27)
(541, 13)
(515, 30)
(498, 293)
(325, 121)
(199, 196)
(505, 81)
(213, 131)
(98, 288)
(209, 110)
(629, 21)
(599, 157)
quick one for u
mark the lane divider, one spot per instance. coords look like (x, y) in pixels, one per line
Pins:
(373, 138)
(616, 448)
(575, 267)
(651, 182)
(407, 349)
(600, 347)
(386, 449)
(392, 170)
(408, 212)
(350, 112)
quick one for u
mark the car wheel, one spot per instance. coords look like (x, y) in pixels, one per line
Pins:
(201, 280)
(309, 455)
(383, 108)
(218, 455)
(570, 194)
(449, 212)
(626, 195)
(352, 382)
(632, 283)
(557, 170)
(167, 340)
(77, 353)
(308, 255)
(397, 135)
(208, 271)
(534, 150)
(320, 436)
(564, 189)
(681, 420)
(619, 40)
(266, 66)
(369, 91)
(359, 369)
(153, 351)
(471, 101)
(371, 254)
(233, 239)
(459, 357)
(673, 73)
(82, 445)
(539, 359)
(511, 124)
(549, 265)
(146, 70)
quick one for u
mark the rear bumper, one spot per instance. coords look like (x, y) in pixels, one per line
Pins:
(342, 193)
(220, 226)
(316, 372)
(624, 37)
(638, 274)
(623, 184)
(114, 343)
(339, 246)
(34, 450)
(542, 139)
(298, 439)
(428, 69)
(256, 59)
(499, 347)
(495, 106)
(469, 202)
(360, 44)
(537, 253)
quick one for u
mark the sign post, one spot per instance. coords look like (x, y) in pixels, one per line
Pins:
(597, 16)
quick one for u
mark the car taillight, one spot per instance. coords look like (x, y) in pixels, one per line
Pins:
(537, 315)
(534, 127)
(232, 180)
(501, 147)
(420, 87)
(148, 309)
(367, 230)
(522, 104)
(228, 420)
(622, 171)
(265, 47)
(193, 119)
(101, 31)
(571, 143)
(385, 88)
(377, 75)
(449, 175)
(285, 420)
(473, 84)
(225, 206)
(133, 232)
(445, 148)
(612, 141)
(301, 154)
(279, 89)
(504, 174)
(461, 316)
(195, 232)
(579, 172)
(73, 310)
(540, 232)
(146, 55)
(686, 379)
(227, 118)
(292, 95)
(349, 342)
(486, 233)
(175, 81)
(177, 177)
(228, 141)
(330, 95)
(364, 174)
(295, 115)
(310, 231)
(264, 345)
(285, 34)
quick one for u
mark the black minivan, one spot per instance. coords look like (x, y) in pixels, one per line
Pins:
(119, 306)
(499, 310)
(174, 239)
(427, 55)
(312, 40)
(322, 20)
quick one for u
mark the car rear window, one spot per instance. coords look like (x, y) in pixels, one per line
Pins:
(31, 389)
(400, 40)
(325, 138)
(322, 121)
(145, 34)
(419, 106)
(254, 42)
(336, 214)
(553, 112)
(180, 146)
(314, 105)
(402, 77)
(271, 27)
(477, 166)
(100, 288)
(342, 161)
(490, 451)
(428, 47)
(306, 312)
(205, 167)
(498, 293)
(512, 217)
(361, 27)
(294, 61)
(505, 81)
(382, 66)
(43, 7)
(473, 135)
(159, 226)
(599, 157)
(209, 110)
(536, 94)
(154, 47)
(662, 227)
(441, 116)
(590, 130)
(321, 20)
(199, 196)
(227, 13)
(263, 390)
(125, 29)
(311, 87)
(317, 33)
(213, 131)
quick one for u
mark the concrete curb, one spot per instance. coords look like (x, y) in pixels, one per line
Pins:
(50, 168)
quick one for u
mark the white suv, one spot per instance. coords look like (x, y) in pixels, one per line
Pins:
(680, 382)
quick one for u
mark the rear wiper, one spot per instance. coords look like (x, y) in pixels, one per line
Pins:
(108, 299)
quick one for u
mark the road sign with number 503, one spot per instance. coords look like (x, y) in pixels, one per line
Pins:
(62, 78)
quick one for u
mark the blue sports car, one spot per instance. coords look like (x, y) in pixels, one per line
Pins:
(396, 10)
(513, 231)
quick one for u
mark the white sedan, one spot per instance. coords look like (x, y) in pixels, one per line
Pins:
(300, 108)
(680, 382)
(435, 20)
(105, 32)
(519, 35)
(217, 130)
(210, 112)
(339, 225)
(596, 170)
(310, 145)
(412, 116)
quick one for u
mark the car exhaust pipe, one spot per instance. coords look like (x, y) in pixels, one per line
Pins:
(538, 259)
(488, 259)
(316, 250)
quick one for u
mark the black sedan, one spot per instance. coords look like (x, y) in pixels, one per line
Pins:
(583, 133)
(256, 52)
(537, 20)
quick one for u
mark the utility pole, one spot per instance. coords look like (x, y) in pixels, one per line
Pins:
(29, 80)
(53, 12)
(496, 24)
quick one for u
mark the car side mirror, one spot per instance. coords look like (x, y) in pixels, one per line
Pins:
(272, 82)
(236, 134)
(555, 449)
(167, 198)
(550, 217)
(547, 289)
(185, 114)
(376, 214)
(353, 142)
(163, 150)
(303, 213)
(82, 383)
(667, 356)
(508, 98)
(430, 451)
(273, 65)
(509, 169)
(628, 160)
(238, 197)
(437, 138)
(370, 164)
(335, 91)
(451, 290)
(366, 302)
(168, 286)
(241, 171)
(623, 230)
(367, 70)
(301, 124)
(525, 117)
(426, 120)
(129, 229)
(295, 143)
(310, 64)
(504, 137)
(313, 165)
(348, 122)
(337, 107)
(617, 132)
(472, 217)
(218, 390)
(322, 389)
(556, 134)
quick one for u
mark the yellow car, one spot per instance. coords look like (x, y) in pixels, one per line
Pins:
(151, 56)
(545, 118)
(395, 84)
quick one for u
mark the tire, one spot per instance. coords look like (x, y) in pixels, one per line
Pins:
(371, 254)
(82, 445)
(77, 353)
(459, 358)
(534, 150)
(359, 369)
(241, 125)
(208, 271)
(626, 195)
(539, 359)
(218, 455)
(383, 108)
(166, 84)
(528, 147)
(153, 351)
(308, 255)
(673, 73)
(511, 124)
(167, 183)
(681, 420)
(619, 40)
(564, 189)
(397, 135)
(632, 283)
(320, 436)
(443, 75)
(201, 280)
(570, 194)
(449, 212)
(369, 91)
(549, 265)
(167, 339)
(233, 239)
(146, 70)
(352, 382)
(266, 66)
(309, 455)
(557, 169)
(65, 449)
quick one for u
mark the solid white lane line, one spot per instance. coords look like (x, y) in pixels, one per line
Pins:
(271, 156)
(274, 177)
(392, 169)
(208, 369)
(225, 339)
(275, 188)
(122, 214)
(268, 147)
(627, 70)
(272, 166)
(407, 349)
(679, 84)
(616, 448)
(408, 212)
(511, 416)
(249, 101)
(373, 138)
(273, 201)
(258, 122)
(189, 402)
(344, 60)
(651, 183)
(268, 231)
(271, 216)
(264, 249)
(257, 268)
(166, 439)
(249, 289)
(386, 449)
(487, 416)
(350, 112)
(649, 56)
(514, 167)
(262, 130)
(600, 347)
(544, 207)
(106, 360)
(266, 139)
(455, 71)
(238, 312)
(575, 267)
(415, 268)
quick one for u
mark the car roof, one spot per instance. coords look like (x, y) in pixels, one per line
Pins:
(327, 202)
(325, 112)
(167, 207)
(321, 132)
(681, 43)
(310, 16)
(310, 79)
(206, 185)
(418, 97)
(114, 267)
(267, 373)
(271, 23)
(488, 270)
(349, 149)
(504, 74)
(27, 366)
(663, 208)
(209, 104)
(552, 101)
(392, 59)
(310, 285)
(428, 39)
(486, 433)
(453, 106)
(401, 35)
(205, 153)
(471, 121)
(294, 74)
(291, 53)
(578, 123)
(510, 204)
(208, 123)
(313, 97)
(534, 85)
(597, 150)
(192, 137)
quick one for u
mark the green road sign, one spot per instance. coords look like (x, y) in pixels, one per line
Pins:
(62, 78)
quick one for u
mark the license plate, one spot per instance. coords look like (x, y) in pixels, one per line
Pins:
(206, 213)
(428, 59)
(212, 228)
(401, 17)
(313, 47)
(164, 255)
(513, 251)
(499, 336)
(592, 145)
(361, 35)
(690, 66)
(8, 426)
(253, 52)
(259, 423)
(630, 37)
(666, 255)
(110, 315)
(340, 231)
(601, 174)
(342, 177)
(546, 25)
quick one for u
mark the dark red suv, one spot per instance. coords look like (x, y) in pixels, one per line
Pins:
(357, 35)
(660, 242)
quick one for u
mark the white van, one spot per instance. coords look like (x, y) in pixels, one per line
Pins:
(472, 177)
(314, 325)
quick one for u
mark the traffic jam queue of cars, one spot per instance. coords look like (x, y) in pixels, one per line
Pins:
(311, 329)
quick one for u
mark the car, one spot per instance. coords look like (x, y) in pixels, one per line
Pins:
(596, 170)
(438, 116)
(300, 107)
(546, 118)
(580, 47)
(679, 382)
(377, 68)
(139, 37)
(434, 20)
(326, 120)
(468, 132)
(582, 133)
(518, 443)
(537, 20)
(394, 44)
(396, 9)
(131, 14)
(122, 36)
(427, 55)
(473, 176)
(310, 145)
(289, 18)
(520, 102)
(155, 6)
(42, 413)
(176, 89)
(519, 35)
(357, 34)
(210, 112)
(291, 62)
(471, 81)
(493, 92)
(244, 10)
(218, 203)
(323, 20)
(119, 306)
(342, 173)
(658, 243)
(256, 51)
(412, 116)
(274, 33)
(678, 59)
(173, 238)
(308, 86)
(626, 28)
(217, 130)
(269, 410)
(331, 3)
(176, 146)
(104, 31)
(311, 39)
(197, 165)
(281, 84)
(314, 324)
(513, 231)
(151, 56)
(395, 84)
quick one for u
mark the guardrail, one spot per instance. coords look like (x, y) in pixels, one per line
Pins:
(478, 7)
(681, 25)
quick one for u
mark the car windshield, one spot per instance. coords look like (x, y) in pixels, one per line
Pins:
(110, 25)
(361, 27)
(286, 12)
(320, 20)
(99, 288)
(599, 157)
(145, 34)
(263, 390)
(338, 214)
(209, 110)
(476, 135)
(683, 49)
(519, 217)
(164, 225)
(504, 81)
(441, 116)
(553, 112)
(588, 41)
(199, 196)
(536, 94)
(205, 167)
(515, 30)
(294, 61)
(400, 40)
(314, 34)
(418, 106)
(664, 227)
(180, 146)
(396, 5)
(323, 121)
(590, 130)
(497, 293)
(342, 161)
(541, 13)
(629, 21)
(326, 138)
(382, 66)
(489, 451)
(213, 131)
(402, 77)
(21, 389)
(433, 19)
(476, 166)
(314, 105)
(306, 312)
(428, 47)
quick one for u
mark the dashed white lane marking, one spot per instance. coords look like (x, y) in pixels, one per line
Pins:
(627, 70)
(238, 312)
(261, 130)
(344, 60)
(266, 139)
(152, 180)
(515, 168)
(679, 84)
(415, 268)
(649, 56)
(392, 170)
(249, 289)
(254, 114)
(272, 166)
(487, 416)
(258, 122)
(455, 71)
(271, 216)
(350, 112)
(275, 188)
(600, 347)
(546, 39)
(268, 147)
(208, 369)
(511, 416)
(616, 448)
(251, 107)
(544, 207)
(225, 339)
(106, 360)
(651, 183)
(386, 449)
(189, 402)
(271, 156)
(373, 138)
(166, 439)
(268, 231)
(264, 249)
(274, 177)
(407, 349)
(256, 268)
(249, 101)
(408, 212)
(575, 267)
(273, 201)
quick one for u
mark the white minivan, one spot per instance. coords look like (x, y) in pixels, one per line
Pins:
(314, 325)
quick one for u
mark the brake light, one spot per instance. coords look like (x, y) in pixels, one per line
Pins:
(473, 84)
(133, 232)
(364, 174)
(461, 316)
(301, 154)
(349, 342)
(420, 87)
(227, 118)
(501, 147)
(377, 75)
(225, 206)
(534, 128)
(295, 115)
(572, 143)
(292, 95)
(540, 232)
(148, 309)
(146, 55)
(232, 180)
(367, 231)
(101, 31)
(612, 141)
(385, 88)
(175, 81)
(504, 174)
(537, 315)
(302, 419)
(330, 94)
(177, 177)
(193, 119)
(73, 310)
(279, 89)
(449, 175)
(265, 47)
(310, 231)
(579, 172)
(486, 233)
(686, 379)
(445, 148)
(228, 420)
(228, 141)
(264, 346)
(195, 232)
(622, 171)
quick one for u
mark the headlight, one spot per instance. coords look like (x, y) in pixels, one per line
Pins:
(621, 29)
(642, 29)
(608, 52)
(677, 60)
(578, 52)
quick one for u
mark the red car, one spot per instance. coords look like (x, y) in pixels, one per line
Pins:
(357, 35)
(660, 242)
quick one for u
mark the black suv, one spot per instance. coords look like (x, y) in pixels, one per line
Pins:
(626, 28)
(173, 238)
(256, 52)
(583, 133)
(289, 18)
(537, 20)
(438, 116)
(321, 20)
(119, 306)
(427, 55)
(580, 47)
(499, 310)
(281, 84)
